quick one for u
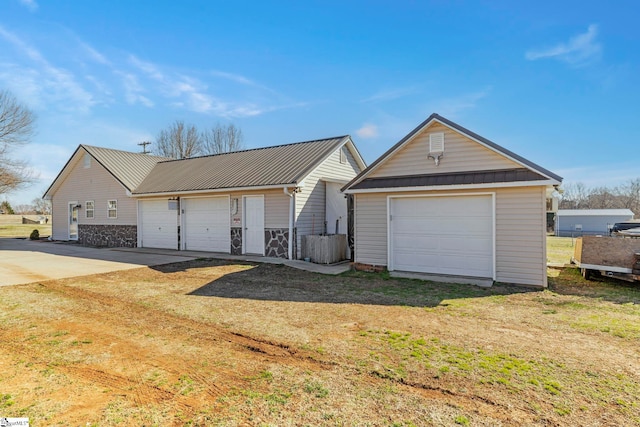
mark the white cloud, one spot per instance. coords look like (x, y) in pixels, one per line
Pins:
(30, 4)
(47, 81)
(185, 91)
(368, 130)
(579, 50)
(94, 54)
(133, 90)
(391, 94)
(451, 107)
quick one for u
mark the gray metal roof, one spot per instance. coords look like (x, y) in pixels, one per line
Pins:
(455, 178)
(279, 165)
(128, 168)
(436, 117)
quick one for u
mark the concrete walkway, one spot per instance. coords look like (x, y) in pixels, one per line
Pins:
(332, 269)
(25, 261)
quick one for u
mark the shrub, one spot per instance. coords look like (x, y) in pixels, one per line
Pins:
(35, 235)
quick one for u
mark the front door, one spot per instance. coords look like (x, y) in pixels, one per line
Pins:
(73, 220)
(253, 225)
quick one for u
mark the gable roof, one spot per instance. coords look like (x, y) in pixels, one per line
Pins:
(280, 165)
(128, 168)
(533, 170)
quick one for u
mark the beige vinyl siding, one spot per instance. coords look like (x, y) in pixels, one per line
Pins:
(371, 229)
(461, 154)
(276, 207)
(520, 231)
(521, 236)
(311, 201)
(93, 183)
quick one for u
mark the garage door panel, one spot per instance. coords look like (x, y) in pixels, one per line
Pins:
(443, 235)
(206, 223)
(159, 224)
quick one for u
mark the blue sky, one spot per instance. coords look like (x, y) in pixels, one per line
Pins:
(556, 82)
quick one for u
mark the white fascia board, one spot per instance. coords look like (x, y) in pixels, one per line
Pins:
(453, 187)
(355, 153)
(214, 190)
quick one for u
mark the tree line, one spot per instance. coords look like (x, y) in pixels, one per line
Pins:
(181, 141)
(37, 206)
(624, 196)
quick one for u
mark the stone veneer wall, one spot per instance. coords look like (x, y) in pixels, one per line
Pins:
(110, 236)
(236, 241)
(277, 242)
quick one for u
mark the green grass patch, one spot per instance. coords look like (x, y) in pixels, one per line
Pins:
(560, 249)
(24, 230)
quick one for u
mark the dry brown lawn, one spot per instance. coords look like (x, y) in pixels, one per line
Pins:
(215, 343)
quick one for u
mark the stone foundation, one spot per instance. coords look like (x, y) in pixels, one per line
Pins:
(110, 236)
(276, 242)
(236, 241)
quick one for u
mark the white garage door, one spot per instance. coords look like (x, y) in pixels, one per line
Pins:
(159, 224)
(206, 224)
(442, 235)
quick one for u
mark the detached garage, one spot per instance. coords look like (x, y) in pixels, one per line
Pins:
(445, 201)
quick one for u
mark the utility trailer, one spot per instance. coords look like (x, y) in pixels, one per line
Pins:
(617, 257)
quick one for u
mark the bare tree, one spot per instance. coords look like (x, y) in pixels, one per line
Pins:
(578, 196)
(41, 206)
(179, 141)
(574, 196)
(222, 139)
(16, 129)
(23, 209)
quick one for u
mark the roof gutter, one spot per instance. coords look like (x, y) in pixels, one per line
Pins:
(214, 190)
(453, 187)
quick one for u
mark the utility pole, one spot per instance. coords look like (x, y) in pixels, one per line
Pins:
(144, 146)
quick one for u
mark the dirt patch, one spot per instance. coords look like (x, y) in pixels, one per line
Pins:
(215, 343)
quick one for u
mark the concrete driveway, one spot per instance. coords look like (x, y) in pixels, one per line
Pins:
(26, 261)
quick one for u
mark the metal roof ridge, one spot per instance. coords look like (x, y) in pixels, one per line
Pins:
(257, 149)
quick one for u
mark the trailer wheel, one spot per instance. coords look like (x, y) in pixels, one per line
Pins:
(586, 273)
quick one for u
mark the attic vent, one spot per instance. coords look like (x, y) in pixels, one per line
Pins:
(436, 146)
(87, 161)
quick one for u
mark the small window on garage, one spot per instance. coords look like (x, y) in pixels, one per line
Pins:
(88, 209)
(112, 209)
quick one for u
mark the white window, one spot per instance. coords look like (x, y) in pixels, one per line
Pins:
(343, 156)
(112, 209)
(578, 227)
(88, 209)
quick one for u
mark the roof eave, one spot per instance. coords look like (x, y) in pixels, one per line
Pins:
(179, 193)
(537, 183)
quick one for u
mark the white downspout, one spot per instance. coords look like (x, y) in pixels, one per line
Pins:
(291, 215)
